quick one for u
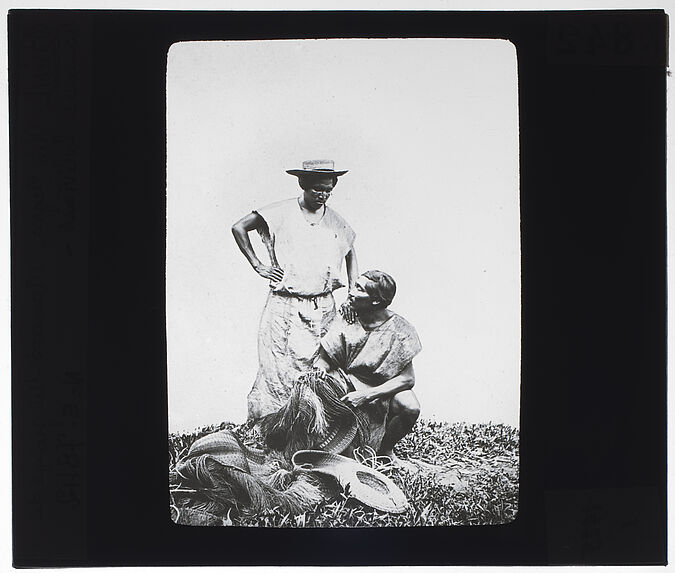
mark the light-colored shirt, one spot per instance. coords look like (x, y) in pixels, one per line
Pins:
(310, 254)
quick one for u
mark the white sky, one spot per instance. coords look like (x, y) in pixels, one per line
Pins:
(429, 132)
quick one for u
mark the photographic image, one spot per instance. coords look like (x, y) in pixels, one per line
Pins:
(397, 276)
(343, 297)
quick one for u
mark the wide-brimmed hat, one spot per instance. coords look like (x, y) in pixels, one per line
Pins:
(339, 435)
(227, 449)
(366, 484)
(316, 167)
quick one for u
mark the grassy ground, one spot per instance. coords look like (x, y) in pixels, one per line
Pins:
(453, 474)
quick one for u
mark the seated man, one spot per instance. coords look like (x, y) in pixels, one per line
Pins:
(374, 354)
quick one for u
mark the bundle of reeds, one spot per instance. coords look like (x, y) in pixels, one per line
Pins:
(220, 474)
(314, 417)
(217, 488)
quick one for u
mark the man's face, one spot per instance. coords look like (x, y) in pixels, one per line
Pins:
(359, 297)
(318, 191)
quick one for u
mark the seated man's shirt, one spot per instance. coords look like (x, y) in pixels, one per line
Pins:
(373, 356)
(367, 358)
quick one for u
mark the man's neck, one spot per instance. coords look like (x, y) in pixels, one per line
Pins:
(374, 318)
(307, 207)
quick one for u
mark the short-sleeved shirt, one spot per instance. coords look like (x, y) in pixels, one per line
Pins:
(373, 356)
(310, 254)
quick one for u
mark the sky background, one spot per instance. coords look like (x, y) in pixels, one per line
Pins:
(429, 132)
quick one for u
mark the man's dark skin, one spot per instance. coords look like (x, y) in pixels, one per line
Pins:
(404, 409)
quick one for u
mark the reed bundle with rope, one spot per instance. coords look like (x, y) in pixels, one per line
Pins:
(314, 417)
(220, 474)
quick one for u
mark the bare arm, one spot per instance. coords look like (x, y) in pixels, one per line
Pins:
(403, 381)
(352, 267)
(240, 230)
(346, 309)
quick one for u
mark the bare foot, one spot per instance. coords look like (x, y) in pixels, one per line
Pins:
(396, 462)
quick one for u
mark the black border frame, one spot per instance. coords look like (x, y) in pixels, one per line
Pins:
(87, 170)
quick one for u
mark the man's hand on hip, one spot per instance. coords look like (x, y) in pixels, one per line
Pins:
(272, 273)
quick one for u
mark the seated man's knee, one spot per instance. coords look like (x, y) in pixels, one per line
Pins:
(405, 404)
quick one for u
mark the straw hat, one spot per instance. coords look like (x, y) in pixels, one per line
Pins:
(226, 448)
(365, 484)
(316, 167)
(339, 435)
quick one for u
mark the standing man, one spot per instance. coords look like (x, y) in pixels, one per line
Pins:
(306, 242)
